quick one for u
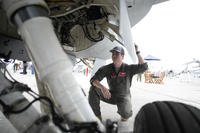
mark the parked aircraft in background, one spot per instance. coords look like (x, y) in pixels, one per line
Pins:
(189, 69)
(52, 33)
(193, 66)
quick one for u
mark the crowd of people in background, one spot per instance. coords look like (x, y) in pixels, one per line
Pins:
(22, 67)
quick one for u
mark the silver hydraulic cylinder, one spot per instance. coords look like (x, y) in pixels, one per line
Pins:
(52, 64)
(23, 120)
(5, 125)
(29, 120)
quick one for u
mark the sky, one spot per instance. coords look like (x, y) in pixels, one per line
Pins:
(171, 32)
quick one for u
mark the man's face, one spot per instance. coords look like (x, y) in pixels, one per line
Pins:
(117, 57)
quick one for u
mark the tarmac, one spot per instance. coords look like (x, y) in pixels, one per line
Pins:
(142, 93)
(173, 89)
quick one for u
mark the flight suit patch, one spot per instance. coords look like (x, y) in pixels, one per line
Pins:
(122, 74)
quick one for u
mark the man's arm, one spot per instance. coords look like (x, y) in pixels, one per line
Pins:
(141, 66)
(140, 59)
(104, 90)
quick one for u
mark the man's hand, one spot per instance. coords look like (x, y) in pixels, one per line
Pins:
(136, 47)
(105, 92)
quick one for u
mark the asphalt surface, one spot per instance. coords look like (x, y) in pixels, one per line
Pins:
(142, 93)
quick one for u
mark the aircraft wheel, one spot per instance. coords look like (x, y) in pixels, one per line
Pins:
(167, 117)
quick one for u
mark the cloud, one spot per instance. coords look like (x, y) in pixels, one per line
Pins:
(171, 31)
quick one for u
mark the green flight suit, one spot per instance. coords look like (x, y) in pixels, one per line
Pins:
(119, 86)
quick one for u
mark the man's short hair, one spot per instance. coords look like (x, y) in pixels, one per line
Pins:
(118, 49)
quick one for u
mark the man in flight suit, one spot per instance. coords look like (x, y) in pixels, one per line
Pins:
(119, 77)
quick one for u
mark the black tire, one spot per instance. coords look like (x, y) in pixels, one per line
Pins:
(167, 117)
